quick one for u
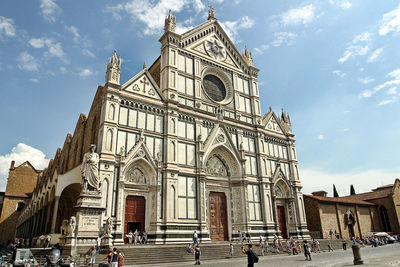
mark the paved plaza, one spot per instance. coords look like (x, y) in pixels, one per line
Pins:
(381, 256)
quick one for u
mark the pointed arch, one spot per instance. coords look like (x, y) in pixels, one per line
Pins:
(140, 171)
(111, 112)
(104, 189)
(282, 189)
(230, 161)
(109, 139)
(172, 202)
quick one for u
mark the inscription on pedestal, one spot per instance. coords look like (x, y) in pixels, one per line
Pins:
(89, 223)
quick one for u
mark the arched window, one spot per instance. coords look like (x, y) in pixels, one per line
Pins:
(109, 139)
(111, 112)
(172, 203)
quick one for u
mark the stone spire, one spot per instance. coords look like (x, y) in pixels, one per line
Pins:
(211, 13)
(247, 56)
(113, 69)
(285, 118)
(170, 23)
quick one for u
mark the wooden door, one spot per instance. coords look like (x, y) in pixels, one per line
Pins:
(282, 221)
(218, 217)
(135, 207)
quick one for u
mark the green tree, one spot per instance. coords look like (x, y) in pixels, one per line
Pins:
(352, 191)
(335, 193)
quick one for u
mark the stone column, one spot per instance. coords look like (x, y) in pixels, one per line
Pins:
(54, 218)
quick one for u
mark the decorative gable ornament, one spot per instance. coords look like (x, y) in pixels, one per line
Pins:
(215, 49)
(142, 85)
(273, 125)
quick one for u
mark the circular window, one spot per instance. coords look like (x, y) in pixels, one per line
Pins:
(214, 87)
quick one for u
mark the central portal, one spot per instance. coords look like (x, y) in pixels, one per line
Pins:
(135, 207)
(282, 221)
(218, 217)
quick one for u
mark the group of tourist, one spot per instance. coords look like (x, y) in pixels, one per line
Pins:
(137, 237)
(115, 257)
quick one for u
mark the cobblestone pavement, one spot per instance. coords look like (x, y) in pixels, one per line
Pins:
(388, 255)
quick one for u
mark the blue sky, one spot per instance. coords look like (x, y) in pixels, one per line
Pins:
(333, 65)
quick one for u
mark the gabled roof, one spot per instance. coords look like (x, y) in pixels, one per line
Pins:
(30, 165)
(196, 33)
(371, 195)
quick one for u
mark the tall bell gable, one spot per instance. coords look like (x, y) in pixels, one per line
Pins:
(144, 85)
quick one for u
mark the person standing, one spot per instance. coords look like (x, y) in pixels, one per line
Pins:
(121, 257)
(114, 259)
(136, 236)
(266, 246)
(130, 237)
(98, 243)
(330, 233)
(307, 250)
(251, 256)
(318, 245)
(276, 245)
(262, 247)
(344, 244)
(197, 255)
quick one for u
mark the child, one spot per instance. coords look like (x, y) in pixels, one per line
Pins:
(197, 255)
(231, 250)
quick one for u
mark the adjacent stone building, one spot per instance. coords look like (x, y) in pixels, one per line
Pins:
(20, 183)
(183, 147)
(354, 215)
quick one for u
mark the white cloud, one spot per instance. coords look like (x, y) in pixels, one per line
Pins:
(363, 181)
(392, 91)
(357, 47)
(85, 73)
(353, 51)
(343, 130)
(390, 22)
(339, 73)
(63, 69)
(150, 13)
(366, 80)
(53, 48)
(74, 31)
(295, 16)
(7, 27)
(343, 4)
(27, 62)
(387, 101)
(394, 81)
(34, 80)
(232, 27)
(321, 137)
(21, 153)
(83, 42)
(50, 10)
(375, 55)
(287, 38)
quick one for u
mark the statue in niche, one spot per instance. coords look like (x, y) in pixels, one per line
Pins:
(72, 226)
(136, 176)
(90, 171)
(214, 166)
(108, 227)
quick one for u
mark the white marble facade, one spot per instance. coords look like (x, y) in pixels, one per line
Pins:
(197, 132)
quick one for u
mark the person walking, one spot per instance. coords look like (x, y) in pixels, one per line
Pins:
(231, 250)
(288, 247)
(136, 237)
(307, 250)
(262, 247)
(318, 245)
(114, 258)
(276, 245)
(98, 244)
(344, 244)
(195, 238)
(251, 256)
(329, 246)
(197, 254)
(266, 246)
(92, 256)
(109, 256)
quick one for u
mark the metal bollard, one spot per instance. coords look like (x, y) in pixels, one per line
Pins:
(356, 254)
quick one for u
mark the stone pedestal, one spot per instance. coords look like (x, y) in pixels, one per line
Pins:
(88, 212)
(356, 254)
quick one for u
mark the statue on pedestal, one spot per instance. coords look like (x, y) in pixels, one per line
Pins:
(108, 227)
(90, 171)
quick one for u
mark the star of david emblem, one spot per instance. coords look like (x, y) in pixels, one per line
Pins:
(215, 49)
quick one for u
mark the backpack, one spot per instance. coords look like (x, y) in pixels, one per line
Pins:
(255, 257)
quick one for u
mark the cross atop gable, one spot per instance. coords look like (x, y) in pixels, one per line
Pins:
(144, 85)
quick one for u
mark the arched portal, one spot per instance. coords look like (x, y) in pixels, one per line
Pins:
(67, 202)
(384, 219)
(283, 206)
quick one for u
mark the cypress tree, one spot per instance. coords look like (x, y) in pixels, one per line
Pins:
(352, 191)
(335, 193)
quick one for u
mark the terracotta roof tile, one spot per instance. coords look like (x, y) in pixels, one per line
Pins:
(341, 200)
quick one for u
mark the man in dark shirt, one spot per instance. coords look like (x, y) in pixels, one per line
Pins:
(250, 255)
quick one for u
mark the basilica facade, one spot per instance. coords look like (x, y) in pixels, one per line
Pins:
(183, 147)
